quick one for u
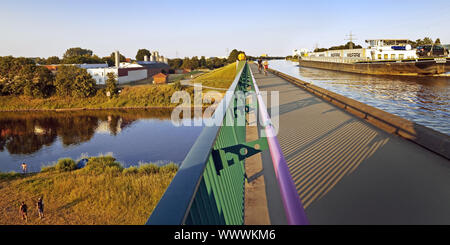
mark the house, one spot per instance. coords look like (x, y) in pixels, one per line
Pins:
(160, 78)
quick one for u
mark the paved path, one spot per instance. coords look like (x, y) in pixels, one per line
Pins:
(350, 172)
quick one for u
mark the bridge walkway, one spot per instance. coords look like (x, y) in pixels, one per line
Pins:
(348, 171)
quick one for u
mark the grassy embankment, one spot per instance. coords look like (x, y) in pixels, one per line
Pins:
(140, 96)
(101, 193)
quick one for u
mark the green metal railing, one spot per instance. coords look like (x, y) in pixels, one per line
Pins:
(209, 187)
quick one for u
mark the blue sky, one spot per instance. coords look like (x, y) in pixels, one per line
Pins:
(45, 28)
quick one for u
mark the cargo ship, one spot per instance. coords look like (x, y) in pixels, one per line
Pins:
(381, 57)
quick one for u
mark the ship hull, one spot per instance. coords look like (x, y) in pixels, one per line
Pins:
(411, 68)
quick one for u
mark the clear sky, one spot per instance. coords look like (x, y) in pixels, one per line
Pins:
(45, 28)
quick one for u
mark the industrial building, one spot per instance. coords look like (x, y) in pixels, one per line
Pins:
(125, 71)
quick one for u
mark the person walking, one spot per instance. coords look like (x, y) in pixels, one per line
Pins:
(40, 208)
(23, 210)
(260, 65)
(266, 66)
(24, 168)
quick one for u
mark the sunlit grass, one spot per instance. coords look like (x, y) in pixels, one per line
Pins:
(101, 193)
(219, 78)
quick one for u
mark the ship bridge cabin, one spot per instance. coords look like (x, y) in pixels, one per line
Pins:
(390, 49)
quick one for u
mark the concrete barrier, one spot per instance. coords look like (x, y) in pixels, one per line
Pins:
(421, 135)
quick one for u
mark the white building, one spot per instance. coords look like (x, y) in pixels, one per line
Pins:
(126, 72)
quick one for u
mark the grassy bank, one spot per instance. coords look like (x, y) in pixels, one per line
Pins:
(219, 78)
(140, 96)
(101, 193)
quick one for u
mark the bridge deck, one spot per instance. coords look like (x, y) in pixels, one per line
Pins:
(350, 172)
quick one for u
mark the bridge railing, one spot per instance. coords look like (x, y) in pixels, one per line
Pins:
(209, 187)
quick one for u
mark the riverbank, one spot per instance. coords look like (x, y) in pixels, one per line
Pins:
(132, 97)
(103, 192)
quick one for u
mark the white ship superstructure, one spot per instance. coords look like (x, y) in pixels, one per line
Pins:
(378, 50)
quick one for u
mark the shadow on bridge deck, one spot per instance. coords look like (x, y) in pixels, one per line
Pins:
(349, 172)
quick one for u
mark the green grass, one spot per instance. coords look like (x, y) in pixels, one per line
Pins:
(101, 193)
(219, 78)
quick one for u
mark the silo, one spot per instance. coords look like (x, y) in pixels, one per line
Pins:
(152, 58)
(166, 60)
(145, 58)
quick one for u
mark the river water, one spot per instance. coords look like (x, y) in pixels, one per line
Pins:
(132, 136)
(424, 100)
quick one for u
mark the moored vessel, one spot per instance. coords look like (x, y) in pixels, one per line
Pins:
(381, 57)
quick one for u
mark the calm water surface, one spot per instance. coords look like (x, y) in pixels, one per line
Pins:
(424, 100)
(132, 136)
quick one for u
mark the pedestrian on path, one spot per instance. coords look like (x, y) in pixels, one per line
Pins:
(23, 210)
(266, 66)
(24, 168)
(40, 208)
(260, 65)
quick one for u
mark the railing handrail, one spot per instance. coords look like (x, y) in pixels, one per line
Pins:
(293, 207)
(175, 204)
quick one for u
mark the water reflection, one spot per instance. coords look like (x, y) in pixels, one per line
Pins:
(424, 100)
(26, 133)
(40, 138)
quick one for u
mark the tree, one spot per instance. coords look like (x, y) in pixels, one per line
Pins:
(41, 85)
(438, 41)
(175, 63)
(53, 60)
(186, 64)
(111, 84)
(427, 41)
(84, 85)
(82, 60)
(203, 62)
(110, 60)
(73, 52)
(141, 53)
(20, 76)
(74, 81)
(233, 56)
(195, 63)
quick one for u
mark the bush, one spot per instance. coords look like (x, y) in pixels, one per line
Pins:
(98, 165)
(130, 170)
(65, 165)
(9, 176)
(169, 168)
(46, 169)
(148, 169)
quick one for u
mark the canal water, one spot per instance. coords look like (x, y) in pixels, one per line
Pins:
(424, 100)
(132, 136)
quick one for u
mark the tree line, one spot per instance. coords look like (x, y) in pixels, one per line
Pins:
(21, 76)
(204, 63)
(340, 47)
(26, 76)
(78, 56)
(425, 41)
